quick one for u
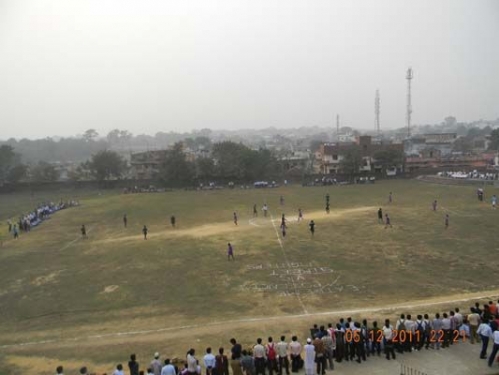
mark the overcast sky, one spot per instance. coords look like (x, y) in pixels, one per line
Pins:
(149, 66)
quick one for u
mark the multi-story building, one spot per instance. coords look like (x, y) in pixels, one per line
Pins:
(328, 158)
(146, 165)
(443, 142)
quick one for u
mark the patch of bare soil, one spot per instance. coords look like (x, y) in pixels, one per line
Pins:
(46, 279)
(226, 227)
(110, 288)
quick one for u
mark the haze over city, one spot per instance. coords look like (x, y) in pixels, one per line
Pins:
(182, 65)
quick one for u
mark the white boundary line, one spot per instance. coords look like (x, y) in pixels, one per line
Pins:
(286, 259)
(252, 222)
(458, 213)
(249, 320)
(75, 240)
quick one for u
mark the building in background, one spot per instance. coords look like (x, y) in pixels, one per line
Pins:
(146, 165)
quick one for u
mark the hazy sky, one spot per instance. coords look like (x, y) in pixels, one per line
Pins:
(149, 66)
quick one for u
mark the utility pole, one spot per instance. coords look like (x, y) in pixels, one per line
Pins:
(337, 128)
(376, 112)
(409, 77)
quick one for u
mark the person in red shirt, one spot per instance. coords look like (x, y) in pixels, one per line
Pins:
(492, 308)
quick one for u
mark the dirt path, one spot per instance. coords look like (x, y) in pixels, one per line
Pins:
(228, 226)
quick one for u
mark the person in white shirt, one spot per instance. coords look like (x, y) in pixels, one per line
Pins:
(59, 370)
(409, 327)
(282, 356)
(309, 358)
(446, 327)
(458, 316)
(209, 361)
(192, 362)
(474, 320)
(156, 365)
(119, 370)
(259, 356)
(168, 368)
(388, 339)
(295, 352)
(485, 333)
(495, 348)
(265, 209)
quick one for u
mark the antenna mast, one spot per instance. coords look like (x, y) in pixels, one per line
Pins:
(337, 128)
(409, 77)
(376, 112)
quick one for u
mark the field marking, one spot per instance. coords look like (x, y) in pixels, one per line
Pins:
(249, 320)
(252, 222)
(73, 241)
(286, 259)
(458, 213)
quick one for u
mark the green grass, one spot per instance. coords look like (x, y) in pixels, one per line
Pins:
(53, 283)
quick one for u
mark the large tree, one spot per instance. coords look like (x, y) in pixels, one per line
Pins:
(7, 161)
(175, 170)
(11, 169)
(106, 165)
(351, 162)
(228, 158)
(44, 172)
(90, 134)
(389, 158)
(235, 161)
(205, 169)
(17, 173)
(494, 140)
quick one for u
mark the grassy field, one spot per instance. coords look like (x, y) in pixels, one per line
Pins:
(70, 296)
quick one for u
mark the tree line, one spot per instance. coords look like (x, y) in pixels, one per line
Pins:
(227, 161)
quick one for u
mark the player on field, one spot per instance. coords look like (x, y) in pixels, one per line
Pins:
(380, 216)
(125, 220)
(230, 252)
(390, 197)
(494, 201)
(327, 208)
(283, 225)
(144, 231)
(300, 215)
(83, 231)
(434, 205)
(255, 212)
(446, 221)
(312, 227)
(283, 229)
(387, 221)
(172, 221)
(235, 218)
(265, 208)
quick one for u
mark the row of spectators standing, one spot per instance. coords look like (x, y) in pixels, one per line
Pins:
(347, 340)
(35, 217)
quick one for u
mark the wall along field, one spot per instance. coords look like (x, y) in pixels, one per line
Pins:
(57, 287)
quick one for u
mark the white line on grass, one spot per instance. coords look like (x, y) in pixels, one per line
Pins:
(286, 259)
(458, 213)
(252, 222)
(249, 320)
(72, 242)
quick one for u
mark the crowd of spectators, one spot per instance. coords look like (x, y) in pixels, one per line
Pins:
(34, 218)
(346, 340)
(469, 175)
